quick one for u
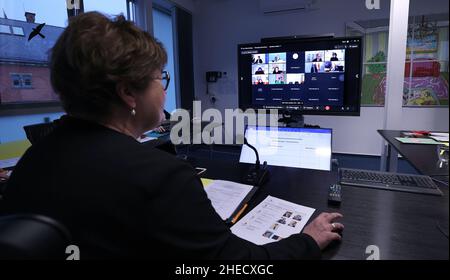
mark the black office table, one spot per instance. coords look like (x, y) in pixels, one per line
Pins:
(402, 225)
(424, 158)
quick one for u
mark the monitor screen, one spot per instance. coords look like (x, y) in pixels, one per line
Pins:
(305, 76)
(291, 147)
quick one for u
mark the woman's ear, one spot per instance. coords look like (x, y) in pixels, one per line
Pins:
(126, 95)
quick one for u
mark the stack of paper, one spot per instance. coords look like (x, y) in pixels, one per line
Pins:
(409, 140)
(272, 220)
(227, 197)
(441, 137)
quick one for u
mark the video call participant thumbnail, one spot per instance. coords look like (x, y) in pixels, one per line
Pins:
(260, 58)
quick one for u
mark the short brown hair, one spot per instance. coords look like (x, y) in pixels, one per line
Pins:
(96, 53)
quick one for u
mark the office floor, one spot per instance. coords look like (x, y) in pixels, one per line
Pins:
(232, 153)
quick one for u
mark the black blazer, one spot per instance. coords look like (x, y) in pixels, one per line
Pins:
(122, 199)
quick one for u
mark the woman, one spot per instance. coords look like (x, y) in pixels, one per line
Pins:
(276, 70)
(118, 198)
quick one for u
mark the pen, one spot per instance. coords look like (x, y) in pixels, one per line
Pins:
(239, 214)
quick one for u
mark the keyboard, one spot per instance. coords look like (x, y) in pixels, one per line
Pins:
(388, 181)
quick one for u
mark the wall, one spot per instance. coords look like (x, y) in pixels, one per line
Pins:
(220, 25)
(41, 89)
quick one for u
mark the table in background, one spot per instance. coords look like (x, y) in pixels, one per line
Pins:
(424, 158)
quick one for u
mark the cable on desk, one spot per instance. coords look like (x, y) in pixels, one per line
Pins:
(439, 181)
(438, 175)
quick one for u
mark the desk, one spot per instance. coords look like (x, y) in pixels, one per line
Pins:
(423, 157)
(402, 225)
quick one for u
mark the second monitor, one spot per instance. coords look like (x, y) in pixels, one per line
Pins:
(291, 147)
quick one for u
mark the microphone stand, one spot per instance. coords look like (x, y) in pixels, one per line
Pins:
(257, 175)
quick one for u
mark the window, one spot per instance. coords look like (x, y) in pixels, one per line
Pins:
(16, 80)
(18, 31)
(31, 58)
(131, 10)
(163, 31)
(24, 64)
(426, 66)
(5, 29)
(110, 7)
(26, 80)
(375, 34)
(21, 81)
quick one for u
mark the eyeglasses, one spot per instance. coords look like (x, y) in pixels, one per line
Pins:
(165, 79)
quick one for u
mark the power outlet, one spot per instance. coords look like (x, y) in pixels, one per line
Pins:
(213, 76)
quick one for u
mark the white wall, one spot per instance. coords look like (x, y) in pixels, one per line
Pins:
(220, 25)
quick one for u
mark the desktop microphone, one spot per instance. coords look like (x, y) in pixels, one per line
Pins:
(257, 175)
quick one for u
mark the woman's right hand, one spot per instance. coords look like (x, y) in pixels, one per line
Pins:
(324, 230)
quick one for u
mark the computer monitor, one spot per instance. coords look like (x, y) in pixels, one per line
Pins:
(289, 146)
(319, 76)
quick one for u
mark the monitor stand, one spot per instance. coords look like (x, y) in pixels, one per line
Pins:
(291, 120)
(294, 120)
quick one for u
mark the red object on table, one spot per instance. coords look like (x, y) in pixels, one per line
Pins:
(421, 132)
(423, 68)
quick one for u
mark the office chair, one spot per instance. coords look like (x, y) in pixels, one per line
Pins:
(37, 132)
(27, 237)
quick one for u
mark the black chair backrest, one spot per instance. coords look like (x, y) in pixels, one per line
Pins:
(37, 132)
(32, 237)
